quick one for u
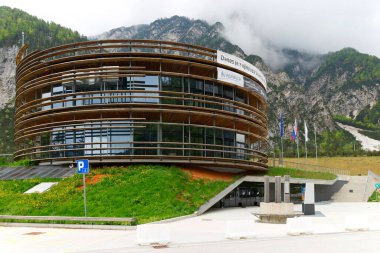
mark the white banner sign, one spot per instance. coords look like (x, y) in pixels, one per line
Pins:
(235, 62)
(230, 77)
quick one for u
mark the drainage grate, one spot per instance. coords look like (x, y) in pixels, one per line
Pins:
(35, 233)
(159, 246)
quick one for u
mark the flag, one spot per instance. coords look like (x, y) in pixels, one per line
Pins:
(306, 133)
(281, 126)
(295, 131)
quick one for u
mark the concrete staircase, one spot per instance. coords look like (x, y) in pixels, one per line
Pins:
(219, 196)
(353, 191)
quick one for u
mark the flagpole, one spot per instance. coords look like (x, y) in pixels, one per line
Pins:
(306, 138)
(298, 149)
(282, 152)
(315, 140)
(281, 135)
(306, 147)
(297, 141)
(274, 152)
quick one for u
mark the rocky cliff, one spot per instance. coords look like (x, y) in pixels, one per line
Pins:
(7, 74)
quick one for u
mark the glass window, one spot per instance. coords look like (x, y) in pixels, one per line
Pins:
(241, 143)
(229, 138)
(197, 134)
(146, 133)
(45, 139)
(218, 90)
(57, 138)
(210, 140)
(240, 96)
(219, 141)
(124, 83)
(218, 137)
(145, 83)
(172, 133)
(196, 86)
(46, 93)
(87, 85)
(121, 139)
(209, 88)
(148, 136)
(209, 91)
(57, 90)
(171, 83)
(110, 83)
(68, 89)
(228, 92)
(152, 81)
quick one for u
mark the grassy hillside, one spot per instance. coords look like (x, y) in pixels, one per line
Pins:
(149, 193)
(370, 115)
(297, 173)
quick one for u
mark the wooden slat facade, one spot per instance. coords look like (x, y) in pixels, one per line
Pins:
(99, 89)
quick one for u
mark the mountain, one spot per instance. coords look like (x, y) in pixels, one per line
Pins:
(178, 29)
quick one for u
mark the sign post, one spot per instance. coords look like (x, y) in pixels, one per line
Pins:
(83, 168)
(377, 186)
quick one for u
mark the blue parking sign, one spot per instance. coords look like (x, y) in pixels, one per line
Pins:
(83, 166)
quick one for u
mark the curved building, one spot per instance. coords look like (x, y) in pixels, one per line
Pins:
(140, 101)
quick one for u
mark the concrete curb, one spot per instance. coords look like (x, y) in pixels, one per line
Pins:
(174, 219)
(67, 226)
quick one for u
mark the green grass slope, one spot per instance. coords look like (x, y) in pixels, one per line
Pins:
(148, 193)
(298, 173)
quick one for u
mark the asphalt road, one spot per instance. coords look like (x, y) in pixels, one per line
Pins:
(356, 242)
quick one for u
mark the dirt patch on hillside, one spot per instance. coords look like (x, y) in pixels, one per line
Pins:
(90, 180)
(197, 173)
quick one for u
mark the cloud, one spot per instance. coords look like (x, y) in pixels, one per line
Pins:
(242, 32)
(265, 27)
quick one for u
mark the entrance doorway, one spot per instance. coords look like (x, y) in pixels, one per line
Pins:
(246, 194)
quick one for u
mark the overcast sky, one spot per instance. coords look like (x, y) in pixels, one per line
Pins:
(310, 25)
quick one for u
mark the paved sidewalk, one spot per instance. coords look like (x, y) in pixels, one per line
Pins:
(205, 229)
